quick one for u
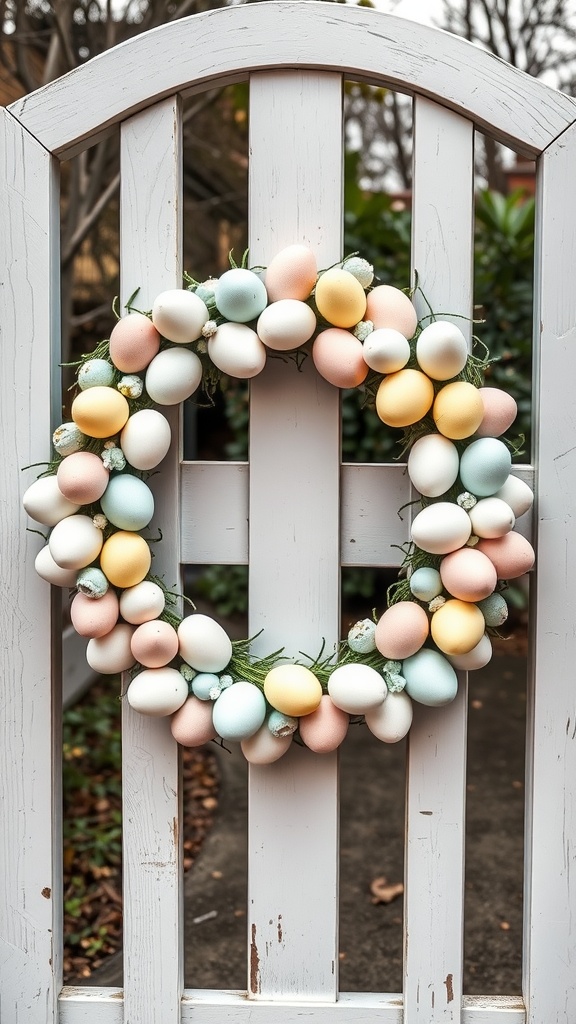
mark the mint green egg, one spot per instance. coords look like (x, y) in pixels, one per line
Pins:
(485, 466)
(430, 678)
(95, 373)
(128, 502)
(425, 583)
(240, 295)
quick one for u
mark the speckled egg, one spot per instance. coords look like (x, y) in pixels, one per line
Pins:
(468, 574)
(67, 438)
(240, 295)
(325, 728)
(192, 724)
(145, 439)
(125, 559)
(237, 350)
(82, 477)
(239, 711)
(179, 315)
(45, 503)
(458, 410)
(337, 356)
(134, 342)
(48, 570)
(441, 528)
(173, 376)
(286, 324)
(157, 692)
(441, 350)
(204, 644)
(75, 542)
(111, 653)
(491, 517)
(430, 678)
(389, 307)
(93, 617)
(264, 748)
(404, 398)
(154, 643)
(517, 494)
(340, 298)
(494, 609)
(484, 466)
(457, 627)
(401, 630)
(292, 689)
(478, 657)
(355, 688)
(128, 502)
(142, 602)
(512, 555)
(100, 412)
(95, 373)
(433, 464)
(386, 350)
(500, 411)
(291, 274)
(391, 721)
(425, 583)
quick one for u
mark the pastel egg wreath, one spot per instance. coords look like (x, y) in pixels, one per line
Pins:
(447, 601)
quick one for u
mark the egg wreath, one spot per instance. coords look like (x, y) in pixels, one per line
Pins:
(447, 600)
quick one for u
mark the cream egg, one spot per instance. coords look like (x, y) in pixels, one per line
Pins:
(179, 315)
(237, 350)
(441, 350)
(48, 570)
(356, 688)
(145, 439)
(386, 350)
(391, 721)
(204, 644)
(142, 602)
(157, 692)
(45, 503)
(433, 464)
(111, 653)
(286, 324)
(75, 542)
(491, 517)
(173, 376)
(478, 657)
(517, 494)
(441, 528)
(325, 728)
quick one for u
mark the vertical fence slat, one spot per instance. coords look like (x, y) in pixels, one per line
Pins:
(442, 254)
(550, 903)
(295, 196)
(30, 747)
(150, 237)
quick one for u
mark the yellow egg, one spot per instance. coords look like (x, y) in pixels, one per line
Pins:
(125, 559)
(100, 412)
(458, 410)
(340, 298)
(404, 398)
(293, 690)
(457, 627)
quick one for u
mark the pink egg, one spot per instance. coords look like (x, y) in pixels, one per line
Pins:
(82, 478)
(94, 617)
(338, 357)
(401, 630)
(291, 274)
(512, 555)
(154, 643)
(468, 574)
(324, 729)
(134, 342)
(500, 411)
(192, 724)
(389, 307)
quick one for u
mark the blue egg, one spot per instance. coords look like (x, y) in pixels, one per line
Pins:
(494, 609)
(128, 502)
(239, 711)
(430, 678)
(203, 684)
(425, 583)
(485, 466)
(240, 295)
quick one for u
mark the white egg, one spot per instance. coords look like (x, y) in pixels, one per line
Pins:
(386, 350)
(173, 375)
(75, 542)
(145, 439)
(441, 350)
(111, 653)
(179, 315)
(517, 494)
(491, 517)
(157, 692)
(239, 711)
(45, 503)
(286, 324)
(441, 527)
(47, 568)
(204, 644)
(237, 350)
(142, 603)
(356, 688)
(391, 720)
(262, 747)
(478, 657)
(433, 464)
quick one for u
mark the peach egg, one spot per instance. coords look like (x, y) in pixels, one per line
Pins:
(134, 342)
(338, 357)
(291, 274)
(94, 617)
(264, 748)
(155, 643)
(457, 627)
(458, 410)
(325, 728)
(389, 307)
(500, 411)
(468, 574)
(401, 630)
(100, 412)
(82, 477)
(340, 298)
(404, 398)
(511, 554)
(125, 559)
(192, 724)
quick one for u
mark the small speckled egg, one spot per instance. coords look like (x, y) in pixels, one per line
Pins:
(441, 528)
(95, 373)
(286, 324)
(441, 350)
(484, 466)
(92, 582)
(512, 555)
(154, 643)
(337, 356)
(100, 412)
(145, 439)
(157, 692)
(280, 724)
(401, 630)
(340, 298)
(361, 636)
(468, 574)
(387, 306)
(430, 678)
(67, 438)
(404, 398)
(134, 342)
(173, 376)
(478, 657)
(517, 494)
(265, 748)
(204, 644)
(111, 653)
(425, 583)
(240, 295)
(239, 711)
(391, 721)
(500, 411)
(491, 517)
(291, 274)
(386, 350)
(142, 602)
(128, 502)
(458, 410)
(192, 724)
(45, 503)
(457, 627)
(48, 570)
(82, 477)
(179, 315)
(494, 609)
(355, 688)
(433, 464)
(75, 542)
(94, 617)
(205, 684)
(237, 350)
(292, 689)
(125, 559)
(324, 729)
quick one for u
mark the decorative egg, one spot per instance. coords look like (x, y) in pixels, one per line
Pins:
(128, 502)
(433, 465)
(67, 438)
(45, 503)
(125, 559)
(134, 342)
(441, 350)
(478, 657)
(494, 609)
(425, 583)
(154, 643)
(206, 686)
(48, 570)
(458, 410)
(179, 315)
(291, 274)
(491, 517)
(360, 269)
(401, 630)
(239, 711)
(92, 582)
(441, 528)
(145, 439)
(158, 692)
(389, 307)
(337, 356)
(391, 721)
(430, 678)
(173, 376)
(82, 477)
(517, 494)
(404, 398)
(265, 748)
(286, 324)
(237, 350)
(280, 724)
(340, 298)
(192, 724)
(484, 466)
(240, 295)
(100, 412)
(468, 574)
(512, 555)
(324, 729)
(500, 411)
(204, 644)
(111, 653)
(386, 350)
(361, 636)
(293, 689)
(94, 617)
(75, 542)
(355, 688)
(142, 602)
(95, 373)
(457, 627)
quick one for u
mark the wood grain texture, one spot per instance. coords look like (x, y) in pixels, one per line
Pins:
(238, 40)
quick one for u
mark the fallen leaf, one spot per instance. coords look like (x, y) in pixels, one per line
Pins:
(384, 891)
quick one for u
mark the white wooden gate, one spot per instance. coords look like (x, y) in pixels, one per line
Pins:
(295, 56)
